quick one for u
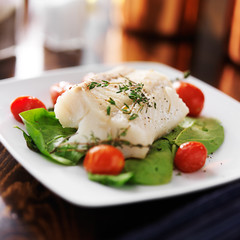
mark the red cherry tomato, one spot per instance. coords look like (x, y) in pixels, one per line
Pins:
(24, 103)
(191, 96)
(58, 89)
(190, 157)
(104, 159)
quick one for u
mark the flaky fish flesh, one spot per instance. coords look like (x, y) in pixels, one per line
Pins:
(141, 103)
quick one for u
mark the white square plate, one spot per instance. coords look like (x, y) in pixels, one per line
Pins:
(72, 184)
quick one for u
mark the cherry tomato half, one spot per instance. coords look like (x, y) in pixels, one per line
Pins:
(104, 159)
(190, 157)
(58, 89)
(191, 96)
(24, 103)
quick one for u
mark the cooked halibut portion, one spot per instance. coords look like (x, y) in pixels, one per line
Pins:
(142, 102)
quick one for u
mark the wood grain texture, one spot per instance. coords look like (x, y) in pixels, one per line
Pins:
(29, 211)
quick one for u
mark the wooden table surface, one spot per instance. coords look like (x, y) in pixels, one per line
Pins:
(28, 210)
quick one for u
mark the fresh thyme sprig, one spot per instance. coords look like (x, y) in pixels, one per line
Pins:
(92, 85)
(133, 116)
(111, 101)
(108, 110)
(186, 74)
(125, 109)
(133, 90)
(94, 141)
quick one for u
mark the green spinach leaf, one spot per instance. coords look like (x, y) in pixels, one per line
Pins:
(113, 180)
(156, 168)
(208, 131)
(46, 133)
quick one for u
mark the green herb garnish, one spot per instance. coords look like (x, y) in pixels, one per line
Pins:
(133, 90)
(111, 101)
(186, 74)
(133, 116)
(92, 85)
(108, 110)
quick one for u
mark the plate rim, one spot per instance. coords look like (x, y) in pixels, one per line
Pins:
(83, 68)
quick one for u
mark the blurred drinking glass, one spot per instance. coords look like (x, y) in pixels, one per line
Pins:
(11, 19)
(63, 23)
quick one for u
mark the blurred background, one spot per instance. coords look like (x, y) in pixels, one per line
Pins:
(202, 36)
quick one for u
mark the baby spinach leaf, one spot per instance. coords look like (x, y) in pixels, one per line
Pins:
(208, 131)
(155, 168)
(187, 122)
(113, 180)
(29, 141)
(68, 151)
(46, 133)
(171, 137)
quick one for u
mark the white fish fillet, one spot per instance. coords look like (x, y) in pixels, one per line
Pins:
(86, 109)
